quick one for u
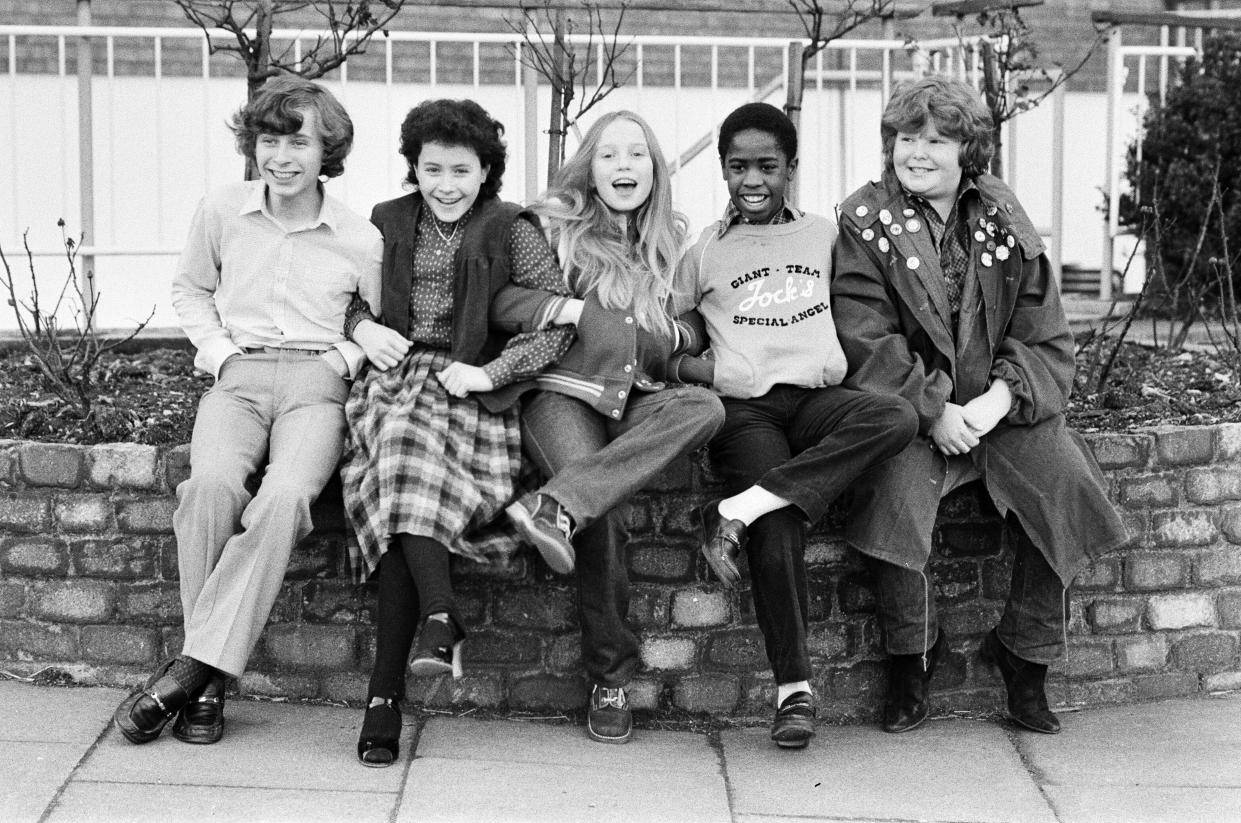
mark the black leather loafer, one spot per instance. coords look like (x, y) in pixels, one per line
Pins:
(794, 723)
(202, 719)
(722, 541)
(142, 716)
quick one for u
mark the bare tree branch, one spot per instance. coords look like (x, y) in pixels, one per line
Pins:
(250, 23)
(613, 50)
(558, 61)
(1010, 64)
(813, 16)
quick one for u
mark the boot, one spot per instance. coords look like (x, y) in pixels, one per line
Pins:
(1027, 700)
(907, 704)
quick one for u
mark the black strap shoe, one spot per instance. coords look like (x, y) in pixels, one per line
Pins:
(1025, 682)
(794, 723)
(202, 719)
(909, 683)
(722, 541)
(379, 743)
(142, 716)
(609, 720)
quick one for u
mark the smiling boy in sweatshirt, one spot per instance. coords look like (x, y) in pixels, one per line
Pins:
(793, 438)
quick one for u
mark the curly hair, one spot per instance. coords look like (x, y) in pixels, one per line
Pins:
(455, 123)
(633, 271)
(955, 109)
(763, 117)
(276, 109)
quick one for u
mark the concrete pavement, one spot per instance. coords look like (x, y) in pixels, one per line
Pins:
(61, 761)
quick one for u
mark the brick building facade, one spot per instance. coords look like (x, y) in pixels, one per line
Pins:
(1062, 28)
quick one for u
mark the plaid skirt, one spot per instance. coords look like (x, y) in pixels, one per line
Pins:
(421, 461)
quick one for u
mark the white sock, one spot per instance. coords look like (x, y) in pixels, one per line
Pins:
(785, 690)
(751, 504)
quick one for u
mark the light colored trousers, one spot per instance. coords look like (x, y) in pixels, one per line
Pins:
(232, 549)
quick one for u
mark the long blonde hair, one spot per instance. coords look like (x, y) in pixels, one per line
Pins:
(630, 271)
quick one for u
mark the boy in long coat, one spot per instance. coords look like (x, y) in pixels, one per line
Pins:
(944, 297)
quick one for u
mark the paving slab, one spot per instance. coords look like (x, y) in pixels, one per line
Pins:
(80, 714)
(469, 791)
(270, 745)
(44, 734)
(1142, 804)
(32, 774)
(1191, 742)
(469, 770)
(88, 802)
(951, 770)
(565, 744)
(769, 818)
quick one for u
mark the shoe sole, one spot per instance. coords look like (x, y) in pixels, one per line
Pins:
(554, 555)
(376, 765)
(206, 738)
(903, 729)
(429, 668)
(603, 738)
(793, 742)
(1028, 727)
(793, 737)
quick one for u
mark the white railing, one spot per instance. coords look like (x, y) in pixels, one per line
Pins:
(1119, 59)
(158, 140)
(1176, 32)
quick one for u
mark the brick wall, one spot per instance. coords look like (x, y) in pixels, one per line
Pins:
(88, 586)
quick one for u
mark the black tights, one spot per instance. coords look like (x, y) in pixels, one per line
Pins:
(414, 581)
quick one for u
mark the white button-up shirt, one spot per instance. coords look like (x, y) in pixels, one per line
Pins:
(245, 281)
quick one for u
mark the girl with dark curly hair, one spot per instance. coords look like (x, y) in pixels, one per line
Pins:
(434, 447)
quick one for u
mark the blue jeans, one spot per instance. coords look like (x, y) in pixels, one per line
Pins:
(596, 464)
(807, 446)
(1032, 626)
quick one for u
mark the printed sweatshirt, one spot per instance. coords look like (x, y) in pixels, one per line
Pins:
(762, 291)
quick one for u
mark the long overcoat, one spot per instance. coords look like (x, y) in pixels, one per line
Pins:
(894, 322)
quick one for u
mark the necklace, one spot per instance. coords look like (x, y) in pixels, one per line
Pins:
(447, 238)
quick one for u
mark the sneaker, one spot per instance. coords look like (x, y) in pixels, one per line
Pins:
(794, 723)
(438, 650)
(609, 720)
(545, 524)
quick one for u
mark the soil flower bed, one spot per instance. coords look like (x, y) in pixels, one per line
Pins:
(150, 396)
